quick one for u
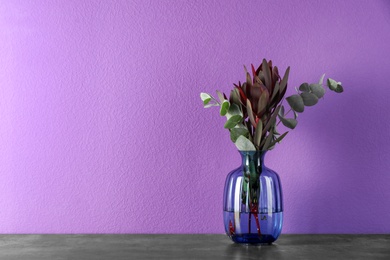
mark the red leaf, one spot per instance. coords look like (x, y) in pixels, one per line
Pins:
(253, 71)
(242, 95)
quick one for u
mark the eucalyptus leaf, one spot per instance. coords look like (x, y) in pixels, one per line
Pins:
(322, 79)
(237, 132)
(317, 90)
(258, 133)
(281, 111)
(289, 122)
(304, 87)
(233, 110)
(295, 114)
(224, 107)
(335, 86)
(296, 103)
(275, 131)
(332, 84)
(233, 121)
(205, 98)
(339, 88)
(244, 144)
(206, 101)
(234, 98)
(309, 99)
(211, 104)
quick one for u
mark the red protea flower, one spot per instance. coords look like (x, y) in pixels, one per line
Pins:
(261, 93)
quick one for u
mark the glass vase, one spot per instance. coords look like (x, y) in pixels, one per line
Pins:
(253, 203)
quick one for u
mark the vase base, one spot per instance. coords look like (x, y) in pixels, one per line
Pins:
(253, 239)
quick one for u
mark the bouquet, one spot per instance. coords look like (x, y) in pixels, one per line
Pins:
(255, 108)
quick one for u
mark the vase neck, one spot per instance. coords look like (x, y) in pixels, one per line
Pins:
(255, 158)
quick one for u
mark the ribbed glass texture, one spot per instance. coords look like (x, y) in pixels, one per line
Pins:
(253, 203)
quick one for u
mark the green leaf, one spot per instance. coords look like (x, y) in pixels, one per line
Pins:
(233, 121)
(280, 138)
(205, 98)
(339, 89)
(289, 122)
(275, 131)
(206, 101)
(277, 140)
(250, 112)
(317, 90)
(261, 76)
(248, 125)
(295, 114)
(234, 98)
(211, 104)
(296, 103)
(275, 91)
(268, 141)
(281, 111)
(283, 83)
(243, 144)
(233, 110)
(224, 107)
(271, 122)
(220, 96)
(321, 79)
(309, 99)
(237, 132)
(258, 133)
(263, 101)
(244, 189)
(332, 84)
(272, 146)
(304, 87)
(335, 86)
(267, 74)
(248, 78)
(253, 175)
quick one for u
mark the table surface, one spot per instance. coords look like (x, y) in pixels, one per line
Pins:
(105, 246)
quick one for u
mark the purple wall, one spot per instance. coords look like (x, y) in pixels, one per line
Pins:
(102, 129)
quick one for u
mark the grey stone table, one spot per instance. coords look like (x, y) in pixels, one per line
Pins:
(191, 247)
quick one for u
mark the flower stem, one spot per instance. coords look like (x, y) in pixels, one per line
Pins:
(285, 115)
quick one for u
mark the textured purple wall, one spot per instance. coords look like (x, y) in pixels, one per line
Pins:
(102, 129)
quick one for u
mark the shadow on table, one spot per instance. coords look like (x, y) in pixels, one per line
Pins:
(237, 251)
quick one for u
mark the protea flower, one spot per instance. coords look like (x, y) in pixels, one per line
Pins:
(260, 94)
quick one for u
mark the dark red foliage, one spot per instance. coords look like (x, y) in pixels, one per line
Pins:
(263, 104)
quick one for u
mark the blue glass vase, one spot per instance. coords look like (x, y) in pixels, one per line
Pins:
(253, 203)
